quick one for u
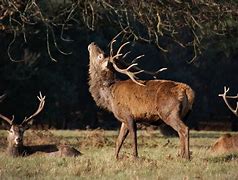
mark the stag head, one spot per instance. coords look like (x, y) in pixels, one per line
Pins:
(16, 131)
(99, 60)
(98, 57)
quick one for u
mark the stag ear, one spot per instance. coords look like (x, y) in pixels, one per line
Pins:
(27, 124)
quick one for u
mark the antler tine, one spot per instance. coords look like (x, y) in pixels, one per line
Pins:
(118, 54)
(40, 107)
(138, 57)
(126, 71)
(6, 119)
(154, 74)
(2, 97)
(111, 47)
(114, 40)
(224, 96)
(126, 54)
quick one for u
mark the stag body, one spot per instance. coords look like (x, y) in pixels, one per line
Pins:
(143, 101)
(227, 143)
(16, 135)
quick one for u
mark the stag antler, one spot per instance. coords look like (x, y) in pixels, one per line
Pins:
(2, 97)
(127, 71)
(6, 119)
(40, 107)
(224, 96)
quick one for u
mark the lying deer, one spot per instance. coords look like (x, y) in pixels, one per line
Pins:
(227, 143)
(16, 132)
(133, 101)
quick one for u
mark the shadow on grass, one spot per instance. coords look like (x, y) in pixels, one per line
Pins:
(223, 158)
(212, 135)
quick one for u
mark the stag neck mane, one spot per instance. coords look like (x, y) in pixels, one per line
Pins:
(100, 84)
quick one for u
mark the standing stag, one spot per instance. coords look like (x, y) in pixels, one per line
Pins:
(227, 143)
(133, 101)
(16, 132)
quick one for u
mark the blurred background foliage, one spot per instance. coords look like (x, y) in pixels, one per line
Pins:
(44, 48)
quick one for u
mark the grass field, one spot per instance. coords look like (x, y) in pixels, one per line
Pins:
(158, 158)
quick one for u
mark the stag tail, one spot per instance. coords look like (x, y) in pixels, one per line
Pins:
(190, 95)
(187, 98)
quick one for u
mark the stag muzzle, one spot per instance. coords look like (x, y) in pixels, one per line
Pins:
(18, 141)
(92, 44)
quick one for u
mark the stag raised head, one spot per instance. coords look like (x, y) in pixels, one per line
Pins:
(133, 100)
(16, 133)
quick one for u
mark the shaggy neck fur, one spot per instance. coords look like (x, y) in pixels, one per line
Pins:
(100, 83)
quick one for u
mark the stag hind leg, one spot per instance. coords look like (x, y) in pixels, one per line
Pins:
(121, 137)
(177, 124)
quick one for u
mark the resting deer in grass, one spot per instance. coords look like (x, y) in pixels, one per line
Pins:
(227, 143)
(15, 137)
(133, 101)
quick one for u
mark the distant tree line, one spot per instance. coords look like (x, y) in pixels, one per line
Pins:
(44, 48)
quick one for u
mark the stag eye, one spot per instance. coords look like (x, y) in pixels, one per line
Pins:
(100, 56)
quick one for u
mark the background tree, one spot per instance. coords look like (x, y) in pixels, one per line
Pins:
(44, 47)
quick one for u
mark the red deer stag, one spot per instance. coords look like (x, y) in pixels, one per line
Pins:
(133, 101)
(15, 138)
(227, 143)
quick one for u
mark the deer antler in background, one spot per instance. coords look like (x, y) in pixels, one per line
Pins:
(2, 97)
(224, 96)
(6, 119)
(40, 107)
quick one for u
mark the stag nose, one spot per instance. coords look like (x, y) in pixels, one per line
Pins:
(18, 140)
(91, 44)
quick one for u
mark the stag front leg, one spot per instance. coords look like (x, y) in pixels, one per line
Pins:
(132, 129)
(177, 124)
(121, 137)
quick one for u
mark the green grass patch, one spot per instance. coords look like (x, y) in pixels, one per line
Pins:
(158, 158)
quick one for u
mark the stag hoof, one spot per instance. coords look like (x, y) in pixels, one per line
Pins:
(184, 155)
